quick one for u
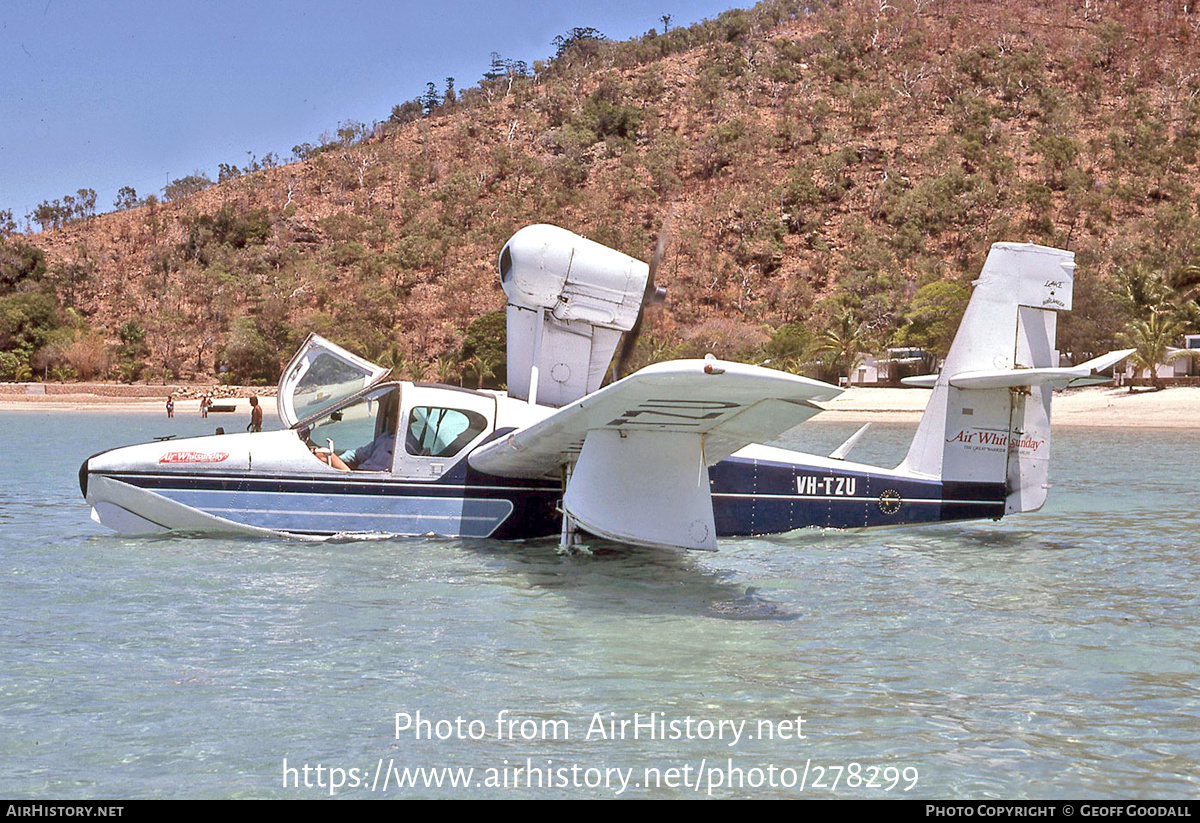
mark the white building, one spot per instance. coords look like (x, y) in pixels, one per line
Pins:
(1183, 362)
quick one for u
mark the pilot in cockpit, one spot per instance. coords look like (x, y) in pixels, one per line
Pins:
(374, 456)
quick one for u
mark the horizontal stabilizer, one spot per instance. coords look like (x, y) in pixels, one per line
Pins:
(1058, 377)
(1106, 361)
(729, 405)
(1012, 378)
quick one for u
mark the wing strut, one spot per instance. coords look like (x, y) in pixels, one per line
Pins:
(570, 540)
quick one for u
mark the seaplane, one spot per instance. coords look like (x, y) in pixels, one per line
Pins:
(668, 456)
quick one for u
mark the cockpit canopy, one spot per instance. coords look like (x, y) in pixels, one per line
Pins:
(339, 404)
(319, 376)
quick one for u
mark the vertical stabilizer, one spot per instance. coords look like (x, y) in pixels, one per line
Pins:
(983, 423)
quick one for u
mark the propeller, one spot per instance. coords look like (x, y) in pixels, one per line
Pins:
(653, 294)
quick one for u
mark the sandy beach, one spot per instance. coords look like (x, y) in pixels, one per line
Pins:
(154, 400)
(1101, 406)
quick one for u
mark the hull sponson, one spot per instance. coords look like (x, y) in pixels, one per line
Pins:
(765, 497)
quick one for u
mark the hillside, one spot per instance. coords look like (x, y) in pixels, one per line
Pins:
(836, 172)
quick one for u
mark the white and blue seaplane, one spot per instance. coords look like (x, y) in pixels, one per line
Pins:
(668, 456)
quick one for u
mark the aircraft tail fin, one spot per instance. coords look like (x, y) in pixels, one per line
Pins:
(988, 419)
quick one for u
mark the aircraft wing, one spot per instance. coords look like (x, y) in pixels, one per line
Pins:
(636, 453)
(730, 404)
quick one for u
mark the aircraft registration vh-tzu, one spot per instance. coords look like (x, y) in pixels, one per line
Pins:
(668, 456)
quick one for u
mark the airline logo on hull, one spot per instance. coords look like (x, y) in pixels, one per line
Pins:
(193, 457)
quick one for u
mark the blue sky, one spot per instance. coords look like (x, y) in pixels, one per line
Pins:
(141, 92)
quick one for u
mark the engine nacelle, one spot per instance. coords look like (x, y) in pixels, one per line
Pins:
(545, 267)
(569, 299)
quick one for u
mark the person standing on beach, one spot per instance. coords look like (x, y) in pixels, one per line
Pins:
(205, 402)
(255, 415)
(171, 406)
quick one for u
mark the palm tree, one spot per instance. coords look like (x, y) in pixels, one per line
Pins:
(840, 345)
(1143, 290)
(1151, 338)
(1186, 283)
(448, 369)
(484, 364)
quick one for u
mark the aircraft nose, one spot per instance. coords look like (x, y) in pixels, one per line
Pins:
(84, 471)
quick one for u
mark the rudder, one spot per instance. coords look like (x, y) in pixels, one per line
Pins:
(988, 419)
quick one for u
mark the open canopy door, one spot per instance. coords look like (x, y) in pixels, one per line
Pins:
(319, 376)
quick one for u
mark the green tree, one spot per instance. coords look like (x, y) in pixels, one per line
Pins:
(184, 186)
(1151, 339)
(13, 368)
(131, 354)
(126, 199)
(1091, 327)
(484, 351)
(430, 100)
(840, 344)
(1143, 291)
(484, 364)
(789, 347)
(248, 356)
(27, 320)
(85, 203)
(50, 214)
(1186, 283)
(581, 41)
(933, 316)
(20, 263)
(405, 112)
(448, 368)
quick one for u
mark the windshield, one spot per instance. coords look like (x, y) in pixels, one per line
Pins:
(327, 380)
(320, 376)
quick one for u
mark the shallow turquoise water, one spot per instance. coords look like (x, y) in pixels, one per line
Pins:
(1049, 655)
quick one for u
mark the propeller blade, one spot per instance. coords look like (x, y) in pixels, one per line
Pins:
(653, 294)
(627, 346)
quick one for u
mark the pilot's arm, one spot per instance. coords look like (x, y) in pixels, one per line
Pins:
(331, 458)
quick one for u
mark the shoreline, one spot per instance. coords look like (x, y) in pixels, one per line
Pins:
(87, 402)
(1177, 407)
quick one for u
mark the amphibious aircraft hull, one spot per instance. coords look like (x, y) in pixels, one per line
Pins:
(758, 491)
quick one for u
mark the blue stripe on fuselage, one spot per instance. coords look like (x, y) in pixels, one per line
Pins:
(462, 502)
